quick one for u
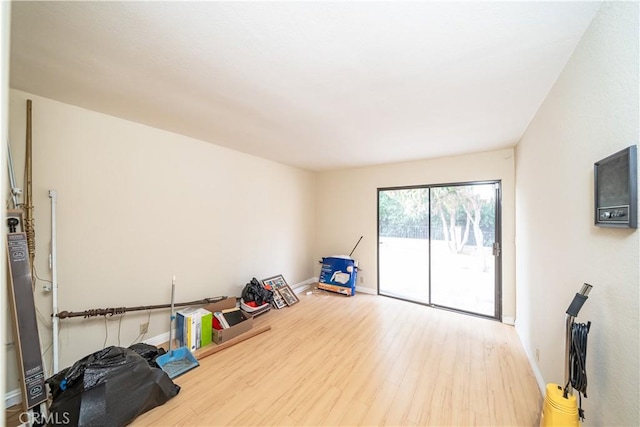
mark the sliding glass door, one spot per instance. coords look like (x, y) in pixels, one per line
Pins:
(403, 243)
(463, 225)
(440, 245)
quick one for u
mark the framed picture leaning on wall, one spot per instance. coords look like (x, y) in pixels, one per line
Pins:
(278, 301)
(288, 295)
(275, 282)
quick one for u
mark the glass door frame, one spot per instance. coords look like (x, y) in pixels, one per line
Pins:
(496, 247)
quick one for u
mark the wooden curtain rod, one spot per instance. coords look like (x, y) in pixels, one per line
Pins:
(121, 310)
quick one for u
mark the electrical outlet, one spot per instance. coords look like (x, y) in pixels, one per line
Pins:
(144, 328)
(361, 279)
(537, 354)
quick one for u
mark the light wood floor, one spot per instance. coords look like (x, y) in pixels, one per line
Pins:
(364, 360)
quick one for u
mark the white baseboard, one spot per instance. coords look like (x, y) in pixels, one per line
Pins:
(298, 288)
(536, 373)
(159, 339)
(13, 397)
(508, 320)
(534, 367)
(364, 290)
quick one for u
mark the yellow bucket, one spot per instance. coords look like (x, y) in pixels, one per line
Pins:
(558, 410)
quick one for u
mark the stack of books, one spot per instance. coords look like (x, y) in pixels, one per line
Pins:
(193, 329)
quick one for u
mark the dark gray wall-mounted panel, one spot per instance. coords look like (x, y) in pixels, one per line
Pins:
(616, 189)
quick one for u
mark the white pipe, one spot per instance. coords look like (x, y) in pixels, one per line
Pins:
(54, 278)
(15, 191)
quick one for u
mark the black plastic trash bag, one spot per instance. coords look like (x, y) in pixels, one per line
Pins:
(254, 291)
(149, 352)
(110, 387)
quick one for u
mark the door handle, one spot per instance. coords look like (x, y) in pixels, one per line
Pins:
(496, 249)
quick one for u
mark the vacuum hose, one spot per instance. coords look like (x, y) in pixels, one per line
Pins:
(578, 362)
(576, 349)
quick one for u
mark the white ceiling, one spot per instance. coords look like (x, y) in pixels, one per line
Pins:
(318, 85)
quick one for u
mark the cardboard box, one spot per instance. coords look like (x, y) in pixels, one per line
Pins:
(222, 335)
(335, 288)
(338, 275)
(221, 305)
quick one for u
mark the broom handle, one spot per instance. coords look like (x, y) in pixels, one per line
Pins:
(354, 248)
(212, 349)
(173, 293)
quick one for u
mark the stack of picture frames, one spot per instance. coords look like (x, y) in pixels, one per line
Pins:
(283, 295)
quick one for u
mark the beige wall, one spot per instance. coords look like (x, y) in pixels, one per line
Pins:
(591, 112)
(5, 8)
(347, 207)
(137, 205)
